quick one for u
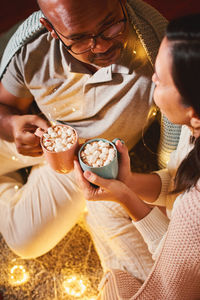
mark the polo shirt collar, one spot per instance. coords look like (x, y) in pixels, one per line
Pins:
(76, 66)
(121, 69)
(104, 74)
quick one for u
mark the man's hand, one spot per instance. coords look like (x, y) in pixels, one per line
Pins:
(24, 126)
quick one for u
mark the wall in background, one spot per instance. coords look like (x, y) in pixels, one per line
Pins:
(175, 8)
(14, 11)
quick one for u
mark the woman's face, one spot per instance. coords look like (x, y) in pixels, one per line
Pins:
(166, 95)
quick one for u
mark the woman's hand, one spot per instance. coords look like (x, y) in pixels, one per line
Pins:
(124, 161)
(110, 190)
(124, 173)
(107, 189)
(104, 189)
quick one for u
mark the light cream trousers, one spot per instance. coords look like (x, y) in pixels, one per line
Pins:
(35, 216)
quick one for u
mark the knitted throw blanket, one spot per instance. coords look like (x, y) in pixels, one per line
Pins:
(150, 28)
(27, 31)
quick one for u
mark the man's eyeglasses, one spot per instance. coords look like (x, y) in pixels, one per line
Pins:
(87, 43)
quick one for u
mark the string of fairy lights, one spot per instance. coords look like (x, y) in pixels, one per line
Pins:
(74, 285)
(65, 273)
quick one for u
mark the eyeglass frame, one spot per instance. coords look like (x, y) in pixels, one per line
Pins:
(93, 37)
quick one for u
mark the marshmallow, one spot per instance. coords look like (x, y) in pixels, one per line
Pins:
(98, 153)
(59, 138)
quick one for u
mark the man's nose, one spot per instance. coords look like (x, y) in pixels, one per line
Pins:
(100, 45)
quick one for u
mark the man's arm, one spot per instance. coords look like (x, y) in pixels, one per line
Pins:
(17, 125)
(10, 105)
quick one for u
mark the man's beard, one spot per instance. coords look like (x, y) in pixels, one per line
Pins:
(95, 58)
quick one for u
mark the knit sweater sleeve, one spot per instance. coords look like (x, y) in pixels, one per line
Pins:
(153, 228)
(176, 272)
(165, 177)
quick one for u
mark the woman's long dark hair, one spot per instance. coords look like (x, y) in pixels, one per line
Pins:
(184, 35)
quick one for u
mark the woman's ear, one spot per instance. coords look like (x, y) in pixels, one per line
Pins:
(48, 26)
(195, 123)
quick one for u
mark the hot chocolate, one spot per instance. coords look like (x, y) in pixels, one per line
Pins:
(59, 138)
(97, 153)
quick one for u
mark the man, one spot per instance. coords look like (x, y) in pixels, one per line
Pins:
(92, 69)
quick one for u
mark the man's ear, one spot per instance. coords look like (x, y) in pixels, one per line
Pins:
(48, 26)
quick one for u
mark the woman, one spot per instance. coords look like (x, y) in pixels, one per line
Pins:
(176, 250)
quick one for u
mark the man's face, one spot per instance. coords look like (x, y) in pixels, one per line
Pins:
(77, 21)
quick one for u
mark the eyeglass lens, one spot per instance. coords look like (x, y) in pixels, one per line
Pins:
(109, 33)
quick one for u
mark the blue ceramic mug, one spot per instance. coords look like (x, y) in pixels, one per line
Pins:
(110, 170)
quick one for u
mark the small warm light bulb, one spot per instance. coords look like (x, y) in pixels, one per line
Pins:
(74, 286)
(16, 187)
(53, 123)
(85, 210)
(18, 275)
(154, 113)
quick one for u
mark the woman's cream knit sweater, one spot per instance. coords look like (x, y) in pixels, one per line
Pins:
(176, 272)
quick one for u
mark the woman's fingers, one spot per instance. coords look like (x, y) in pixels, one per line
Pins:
(90, 192)
(124, 161)
(108, 186)
(123, 150)
(95, 179)
(105, 189)
(82, 182)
